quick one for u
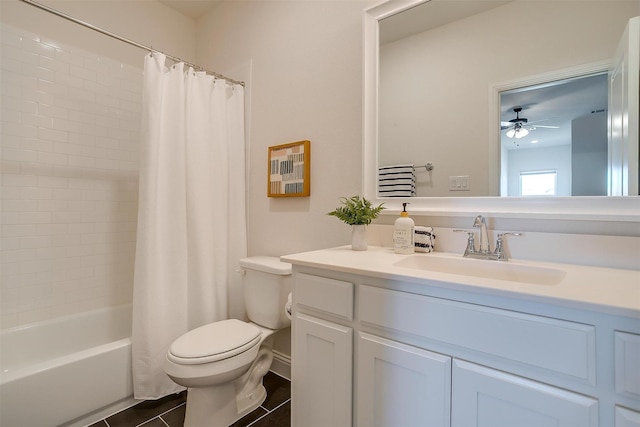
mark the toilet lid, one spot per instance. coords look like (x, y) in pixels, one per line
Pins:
(214, 341)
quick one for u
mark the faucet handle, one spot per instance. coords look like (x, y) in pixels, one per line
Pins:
(471, 241)
(499, 247)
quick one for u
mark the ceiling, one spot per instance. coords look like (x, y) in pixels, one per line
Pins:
(553, 104)
(430, 15)
(191, 8)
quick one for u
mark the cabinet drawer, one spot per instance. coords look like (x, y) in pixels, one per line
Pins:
(539, 342)
(627, 350)
(328, 295)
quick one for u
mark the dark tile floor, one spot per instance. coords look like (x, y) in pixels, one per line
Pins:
(169, 411)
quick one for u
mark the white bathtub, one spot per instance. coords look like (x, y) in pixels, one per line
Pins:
(57, 371)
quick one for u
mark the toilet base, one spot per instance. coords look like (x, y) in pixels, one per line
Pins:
(251, 403)
(226, 403)
(226, 411)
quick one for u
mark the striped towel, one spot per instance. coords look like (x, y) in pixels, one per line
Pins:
(424, 239)
(397, 181)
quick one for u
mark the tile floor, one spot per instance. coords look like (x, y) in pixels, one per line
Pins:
(169, 411)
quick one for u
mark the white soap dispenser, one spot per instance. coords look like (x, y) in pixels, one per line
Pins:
(403, 239)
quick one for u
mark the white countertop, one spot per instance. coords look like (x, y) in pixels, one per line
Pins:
(610, 290)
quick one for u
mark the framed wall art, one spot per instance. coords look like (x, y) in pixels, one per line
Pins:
(289, 170)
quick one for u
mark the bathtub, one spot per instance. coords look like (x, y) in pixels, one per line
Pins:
(61, 370)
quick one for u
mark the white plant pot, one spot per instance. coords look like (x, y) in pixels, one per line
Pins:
(359, 238)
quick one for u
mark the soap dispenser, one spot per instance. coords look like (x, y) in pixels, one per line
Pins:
(403, 238)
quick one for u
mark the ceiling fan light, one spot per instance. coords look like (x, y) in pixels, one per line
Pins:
(521, 133)
(511, 133)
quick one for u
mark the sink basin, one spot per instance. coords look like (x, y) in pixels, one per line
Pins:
(499, 270)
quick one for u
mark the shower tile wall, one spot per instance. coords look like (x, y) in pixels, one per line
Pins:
(70, 130)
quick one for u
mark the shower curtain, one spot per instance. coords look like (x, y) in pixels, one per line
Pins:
(191, 213)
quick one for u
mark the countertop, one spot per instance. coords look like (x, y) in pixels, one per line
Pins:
(615, 291)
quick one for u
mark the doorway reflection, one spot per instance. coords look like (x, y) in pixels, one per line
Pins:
(557, 126)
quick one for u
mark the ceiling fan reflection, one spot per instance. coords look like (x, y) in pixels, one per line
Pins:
(520, 126)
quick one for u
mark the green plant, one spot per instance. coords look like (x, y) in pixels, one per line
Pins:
(357, 211)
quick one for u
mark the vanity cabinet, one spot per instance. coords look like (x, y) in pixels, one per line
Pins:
(369, 351)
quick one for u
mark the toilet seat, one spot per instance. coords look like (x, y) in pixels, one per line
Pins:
(213, 342)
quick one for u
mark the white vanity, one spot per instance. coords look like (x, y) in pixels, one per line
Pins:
(381, 339)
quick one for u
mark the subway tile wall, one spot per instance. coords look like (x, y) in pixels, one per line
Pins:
(70, 139)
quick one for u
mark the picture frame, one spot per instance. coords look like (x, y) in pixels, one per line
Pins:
(289, 170)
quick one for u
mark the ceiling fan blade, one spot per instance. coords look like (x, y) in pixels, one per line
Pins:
(547, 127)
(541, 120)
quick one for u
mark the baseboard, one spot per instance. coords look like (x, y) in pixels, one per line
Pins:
(281, 364)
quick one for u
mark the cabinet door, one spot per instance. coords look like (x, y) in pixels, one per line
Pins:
(321, 360)
(627, 364)
(484, 397)
(627, 418)
(400, 385)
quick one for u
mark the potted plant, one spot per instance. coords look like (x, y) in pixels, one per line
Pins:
(357, 212)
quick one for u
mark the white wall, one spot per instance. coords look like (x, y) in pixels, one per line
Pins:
(71, 102)
(435, 86)
(302, 62)
(537, 159)
(589, 155)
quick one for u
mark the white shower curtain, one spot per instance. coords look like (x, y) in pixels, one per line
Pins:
(191, 214)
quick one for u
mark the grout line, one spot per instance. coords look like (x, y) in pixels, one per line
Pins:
(281, 376)
(160, 415)
(148, 421)
(157, 417)
(255, 421)
(269, 411)
(280, 405)
(175, 407)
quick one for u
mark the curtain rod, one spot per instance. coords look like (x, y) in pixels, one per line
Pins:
(125, 40)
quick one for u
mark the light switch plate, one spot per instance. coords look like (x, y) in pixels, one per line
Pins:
(459, 183)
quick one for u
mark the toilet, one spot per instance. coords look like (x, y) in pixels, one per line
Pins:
(222, 363)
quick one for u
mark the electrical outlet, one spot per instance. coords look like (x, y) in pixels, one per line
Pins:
(459, 183)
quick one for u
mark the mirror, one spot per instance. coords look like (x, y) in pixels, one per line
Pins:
(465, 62)
(432, 108)
(553, 138)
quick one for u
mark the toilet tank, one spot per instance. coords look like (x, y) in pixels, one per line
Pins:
(266, 286)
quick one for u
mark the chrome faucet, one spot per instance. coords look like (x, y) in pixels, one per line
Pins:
(484, 251)
(481, 223)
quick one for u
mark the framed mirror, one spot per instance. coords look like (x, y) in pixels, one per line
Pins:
(464, 59)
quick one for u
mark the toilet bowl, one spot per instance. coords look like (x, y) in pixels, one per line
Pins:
(223, 363)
